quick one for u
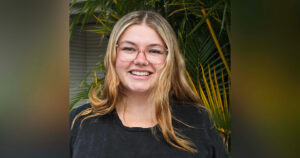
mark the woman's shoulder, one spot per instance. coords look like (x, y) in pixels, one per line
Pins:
(192, 114)
(79, 109)
(199, 117)
(75, 111)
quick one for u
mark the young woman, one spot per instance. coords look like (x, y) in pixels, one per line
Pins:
(146, 107)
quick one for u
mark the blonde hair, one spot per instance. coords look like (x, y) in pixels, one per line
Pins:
(172, 84)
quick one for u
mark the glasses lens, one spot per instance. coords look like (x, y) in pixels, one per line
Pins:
(156, 54)
(127, 52)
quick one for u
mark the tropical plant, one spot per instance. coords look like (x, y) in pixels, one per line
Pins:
(217, 101)
(203, 31)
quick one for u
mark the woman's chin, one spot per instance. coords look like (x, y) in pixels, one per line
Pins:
(140, 89)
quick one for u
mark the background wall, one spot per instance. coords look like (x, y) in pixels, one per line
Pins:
(86, 50)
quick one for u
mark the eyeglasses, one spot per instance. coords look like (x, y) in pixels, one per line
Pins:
(155, 54)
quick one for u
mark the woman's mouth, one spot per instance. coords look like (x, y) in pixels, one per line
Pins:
(140, 73)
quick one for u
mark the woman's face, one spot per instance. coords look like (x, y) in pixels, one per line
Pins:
(141, 57)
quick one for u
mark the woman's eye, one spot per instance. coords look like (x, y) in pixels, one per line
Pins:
(128, 49)
(155, 51)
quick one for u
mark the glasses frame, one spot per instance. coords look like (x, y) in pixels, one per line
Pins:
(139, 51)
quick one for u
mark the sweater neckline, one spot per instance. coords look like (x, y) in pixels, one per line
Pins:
(132, 129)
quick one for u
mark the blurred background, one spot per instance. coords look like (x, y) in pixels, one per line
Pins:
(265, 82)
(34, 79)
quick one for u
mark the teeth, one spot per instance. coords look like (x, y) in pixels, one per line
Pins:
(140, 73)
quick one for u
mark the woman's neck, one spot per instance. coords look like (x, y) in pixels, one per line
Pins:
(137, 110)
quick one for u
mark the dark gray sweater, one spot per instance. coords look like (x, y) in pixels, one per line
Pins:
(106, 137)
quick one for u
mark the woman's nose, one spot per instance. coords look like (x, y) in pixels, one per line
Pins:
(141, 58)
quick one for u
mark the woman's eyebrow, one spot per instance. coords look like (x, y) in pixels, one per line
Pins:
(129, 42)
(149, 45)
(155, 44)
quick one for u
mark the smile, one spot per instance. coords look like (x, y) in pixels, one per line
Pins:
(138, 73)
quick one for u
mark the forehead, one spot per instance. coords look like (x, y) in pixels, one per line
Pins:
(141, 35)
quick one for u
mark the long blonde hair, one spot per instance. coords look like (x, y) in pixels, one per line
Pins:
(172, 84)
